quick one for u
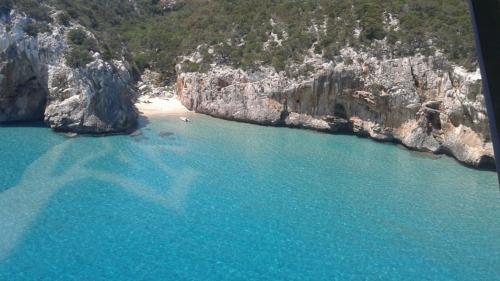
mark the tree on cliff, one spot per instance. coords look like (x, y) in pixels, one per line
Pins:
(158, 32)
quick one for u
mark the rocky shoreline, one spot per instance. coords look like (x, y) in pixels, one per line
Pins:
(411, 101)
(37, 83)
(424, 103)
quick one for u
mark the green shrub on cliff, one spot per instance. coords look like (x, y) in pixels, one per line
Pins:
(34, 9)
(77, 36)
(407, 27)
(195, 67)
(63, 19)
(154, 35)
(33, 28)
(81, 45)
(78, 57)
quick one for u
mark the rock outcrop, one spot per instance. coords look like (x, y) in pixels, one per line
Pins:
(23, 73)
(422, 102)
(37, 84)
(94, 99)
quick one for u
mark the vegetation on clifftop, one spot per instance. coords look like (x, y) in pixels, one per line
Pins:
(154, 33)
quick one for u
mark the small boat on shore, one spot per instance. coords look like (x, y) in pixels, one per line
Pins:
(185, 119)
(70, 135)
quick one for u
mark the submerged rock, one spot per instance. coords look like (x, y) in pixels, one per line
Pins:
(70, 135)
(136, 133)
(166, 134)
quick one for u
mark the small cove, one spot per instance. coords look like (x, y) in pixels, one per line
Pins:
(219, 200)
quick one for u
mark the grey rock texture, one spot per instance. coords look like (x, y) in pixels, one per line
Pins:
(94, 99)
(422, 102)
(36, 83)
(23, 73)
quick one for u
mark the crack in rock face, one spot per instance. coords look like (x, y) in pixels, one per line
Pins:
(37, 84)
(404, 100)
(22, 91)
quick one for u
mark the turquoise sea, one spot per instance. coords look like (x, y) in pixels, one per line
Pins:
(219, 200)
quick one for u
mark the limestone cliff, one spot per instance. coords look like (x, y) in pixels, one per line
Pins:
(424, 103)
(36, 83)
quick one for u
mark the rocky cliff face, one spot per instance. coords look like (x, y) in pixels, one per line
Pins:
(94, 99)
(422, 102)
(37, 84)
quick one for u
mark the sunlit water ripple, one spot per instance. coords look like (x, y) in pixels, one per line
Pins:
(218, 200)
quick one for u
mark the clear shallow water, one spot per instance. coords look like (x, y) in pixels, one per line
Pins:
(221, 200)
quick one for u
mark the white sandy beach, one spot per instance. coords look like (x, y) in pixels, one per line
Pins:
(160, 106)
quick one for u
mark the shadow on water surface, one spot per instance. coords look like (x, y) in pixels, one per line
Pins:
(142, 122)
(29, 124)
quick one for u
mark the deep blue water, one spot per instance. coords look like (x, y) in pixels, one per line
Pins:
(219, 200)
